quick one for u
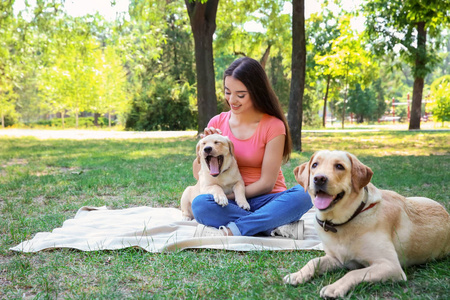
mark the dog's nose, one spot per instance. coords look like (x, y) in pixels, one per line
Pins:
(320, 179)
(207, 149)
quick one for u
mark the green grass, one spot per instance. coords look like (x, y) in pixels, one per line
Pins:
(43, 183)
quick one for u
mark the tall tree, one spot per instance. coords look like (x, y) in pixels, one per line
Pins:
(320, 43)
(202, 15)
(347, 61)
(110, 84)
(295, 117)
(9, 60)
(409, 24)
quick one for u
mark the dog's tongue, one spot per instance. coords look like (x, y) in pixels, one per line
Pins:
(323, 200)
(214, 166)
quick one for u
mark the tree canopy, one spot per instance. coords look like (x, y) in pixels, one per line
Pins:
(159, 66)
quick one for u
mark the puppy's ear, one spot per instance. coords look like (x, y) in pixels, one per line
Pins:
(230, 146)
(198, 151)
(361, 174)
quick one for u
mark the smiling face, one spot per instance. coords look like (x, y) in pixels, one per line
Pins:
(237, 95)
(331, 177)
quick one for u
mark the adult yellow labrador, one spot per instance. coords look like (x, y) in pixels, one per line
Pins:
(370, 231)
(219, 174)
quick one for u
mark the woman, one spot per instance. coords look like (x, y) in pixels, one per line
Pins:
(257, 126)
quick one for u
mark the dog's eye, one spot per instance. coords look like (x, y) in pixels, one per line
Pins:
(340, 167)
(314, 165)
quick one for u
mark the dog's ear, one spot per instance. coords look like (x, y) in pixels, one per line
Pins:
(302, 173)
(230, 146)
(361, 174)
(198, 151)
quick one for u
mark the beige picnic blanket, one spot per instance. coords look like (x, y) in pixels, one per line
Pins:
(154, 230)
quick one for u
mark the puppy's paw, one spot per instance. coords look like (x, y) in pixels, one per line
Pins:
(243, 204)
(187, 218)
(333, 291)
(221, 199)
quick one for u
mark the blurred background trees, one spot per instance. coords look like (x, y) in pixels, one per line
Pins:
(139, 68)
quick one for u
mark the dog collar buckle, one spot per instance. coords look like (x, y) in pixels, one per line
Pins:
(327, 226)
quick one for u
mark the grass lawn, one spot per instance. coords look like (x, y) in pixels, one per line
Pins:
(44, 182)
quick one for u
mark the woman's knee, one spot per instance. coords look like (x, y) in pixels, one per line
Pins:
(201, 206)
(302, 199)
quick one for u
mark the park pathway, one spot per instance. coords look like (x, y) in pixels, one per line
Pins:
(75, 134)
(80, 134)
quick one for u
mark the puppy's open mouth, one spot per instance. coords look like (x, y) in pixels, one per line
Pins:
(324, 201)
(214, 164)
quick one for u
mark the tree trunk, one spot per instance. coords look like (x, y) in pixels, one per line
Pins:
(295, 114)
(62, 118)
(345, 96)
(3, 120)
(343, 109)
(203, 23)
(76, 118)
(324, 118)
(265, 57)
(96, 115)
(416, 106)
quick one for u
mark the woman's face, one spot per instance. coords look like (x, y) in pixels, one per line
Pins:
(237, 95)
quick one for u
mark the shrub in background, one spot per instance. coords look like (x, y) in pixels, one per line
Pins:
(164, 105)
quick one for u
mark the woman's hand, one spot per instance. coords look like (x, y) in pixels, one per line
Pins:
(209, 131)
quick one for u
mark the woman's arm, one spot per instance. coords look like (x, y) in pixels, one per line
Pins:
(273, 157)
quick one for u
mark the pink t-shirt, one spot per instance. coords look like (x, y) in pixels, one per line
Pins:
(249, 153)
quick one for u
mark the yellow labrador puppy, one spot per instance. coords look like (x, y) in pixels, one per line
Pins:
(370, 231)
(219, 175)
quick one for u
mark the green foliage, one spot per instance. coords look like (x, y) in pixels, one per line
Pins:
(311, 109)
(159, 51)
(381, 105)
(440, 90)
(363, 103)
(83, 122)
(10, 119)
(53, 62)
(279, 80)
(393, 23)
(162, 107)
(321, 30)
(233, 38)
(10, 66)
(349, 63)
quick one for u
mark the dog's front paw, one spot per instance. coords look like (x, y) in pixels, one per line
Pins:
(243, 204)
(221, 199)
(333, 291)
(293, 279)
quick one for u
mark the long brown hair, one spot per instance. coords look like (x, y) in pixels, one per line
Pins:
(252, 75)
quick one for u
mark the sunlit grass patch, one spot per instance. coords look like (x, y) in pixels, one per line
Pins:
(44, 182)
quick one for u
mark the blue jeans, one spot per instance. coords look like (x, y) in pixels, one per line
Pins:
(267, 212)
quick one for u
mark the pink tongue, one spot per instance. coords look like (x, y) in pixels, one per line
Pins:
(323, 200)
(214, 166)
